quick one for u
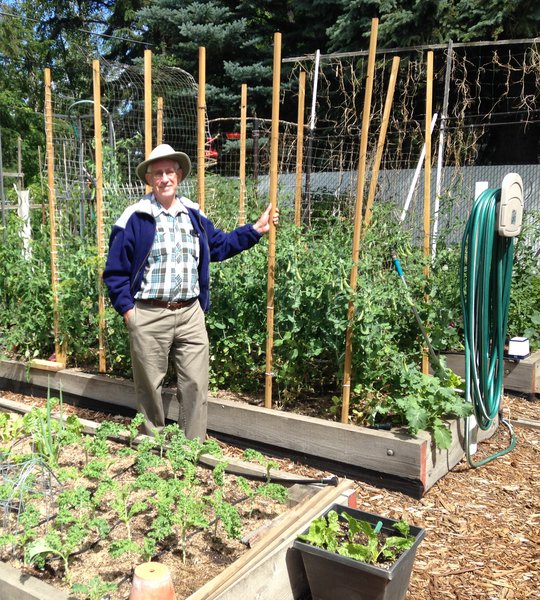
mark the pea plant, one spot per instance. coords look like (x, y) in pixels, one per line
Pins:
(311, 297)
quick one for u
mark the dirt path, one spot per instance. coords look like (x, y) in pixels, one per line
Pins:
(483, 525)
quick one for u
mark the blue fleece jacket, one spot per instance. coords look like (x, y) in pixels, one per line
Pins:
(131, 240)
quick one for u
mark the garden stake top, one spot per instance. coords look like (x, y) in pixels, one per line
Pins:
(157, 274)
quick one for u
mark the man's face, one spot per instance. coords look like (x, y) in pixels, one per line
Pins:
(164, 176)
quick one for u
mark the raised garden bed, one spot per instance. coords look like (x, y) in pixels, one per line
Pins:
(269, 543)
(392, 459)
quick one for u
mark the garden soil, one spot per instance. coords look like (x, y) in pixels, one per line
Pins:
(482, 525)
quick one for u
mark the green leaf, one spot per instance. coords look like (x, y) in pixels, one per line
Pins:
(442, 436)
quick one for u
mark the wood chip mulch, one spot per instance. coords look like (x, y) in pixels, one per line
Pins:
(482, 524)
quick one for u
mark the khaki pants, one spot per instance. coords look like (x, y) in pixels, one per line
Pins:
(154, 333)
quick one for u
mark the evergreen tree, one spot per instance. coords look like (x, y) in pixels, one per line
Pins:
(176, 32)
(417, 22)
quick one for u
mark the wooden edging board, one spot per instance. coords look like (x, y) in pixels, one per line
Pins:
(383, 453)
(521, 376)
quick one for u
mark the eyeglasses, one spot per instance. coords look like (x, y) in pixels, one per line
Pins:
(158, 175)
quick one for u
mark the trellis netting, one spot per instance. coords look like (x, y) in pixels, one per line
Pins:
(123, 126)
(486, 95)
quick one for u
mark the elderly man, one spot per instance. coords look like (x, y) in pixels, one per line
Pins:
(158, 276)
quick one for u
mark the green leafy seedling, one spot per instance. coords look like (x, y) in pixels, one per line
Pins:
(358, 539)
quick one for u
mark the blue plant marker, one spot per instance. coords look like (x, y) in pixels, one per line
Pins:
(378, 527)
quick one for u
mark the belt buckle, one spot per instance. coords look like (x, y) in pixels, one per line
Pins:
(169, 305)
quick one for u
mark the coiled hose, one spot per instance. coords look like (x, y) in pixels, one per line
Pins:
(485, 280)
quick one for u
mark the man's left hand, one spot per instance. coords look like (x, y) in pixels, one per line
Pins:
(263, 224)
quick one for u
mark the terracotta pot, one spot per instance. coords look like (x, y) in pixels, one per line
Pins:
(152, 581)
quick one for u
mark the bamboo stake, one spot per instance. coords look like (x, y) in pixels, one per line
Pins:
(427, 187)
(274, 138)
(299, 149)
(147, 106)
(358, 217)
(243, 127)
(201, 126)
(99, 213)
(159, 129)
(382, 140)
(59, 349)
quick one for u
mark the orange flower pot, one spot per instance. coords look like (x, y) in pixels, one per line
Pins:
(152, 581)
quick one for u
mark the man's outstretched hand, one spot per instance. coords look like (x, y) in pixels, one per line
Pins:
(263, 224)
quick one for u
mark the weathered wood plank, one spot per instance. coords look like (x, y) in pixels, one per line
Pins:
(519, 375)
(15, 585)
(527, 423)
(47, 365)
(390, 453)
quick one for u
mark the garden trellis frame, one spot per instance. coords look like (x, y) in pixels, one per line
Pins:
(288, 154)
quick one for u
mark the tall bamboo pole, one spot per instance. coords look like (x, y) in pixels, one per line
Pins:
(382, 138)
(201, 127)
(147, 105)
(99, 212)
(243, 128)
(358, 217)
(159, 122)
(427, 186)
(274, 139)
(299, 149)
(59, 349)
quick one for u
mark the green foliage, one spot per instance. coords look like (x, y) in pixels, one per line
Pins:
(58, 545)
(226, 514)
(25, 296)
(421, 402)
(94, 589)
(358, 539)
(51, 435)
(256, 456)
(127, 508)
(159, 503)
(524, 310)
(415, 22)
(272, 491)
(180, 30)
(10, 427)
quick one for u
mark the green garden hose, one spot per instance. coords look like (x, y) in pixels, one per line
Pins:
(485, 279)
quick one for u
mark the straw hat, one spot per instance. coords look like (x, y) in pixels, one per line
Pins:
(164, 151)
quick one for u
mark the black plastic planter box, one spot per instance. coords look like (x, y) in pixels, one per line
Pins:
(332, 576)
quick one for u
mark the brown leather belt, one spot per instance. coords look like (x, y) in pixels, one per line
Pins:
(165, 304)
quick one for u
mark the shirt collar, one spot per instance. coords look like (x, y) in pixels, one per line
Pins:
(176, 207)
